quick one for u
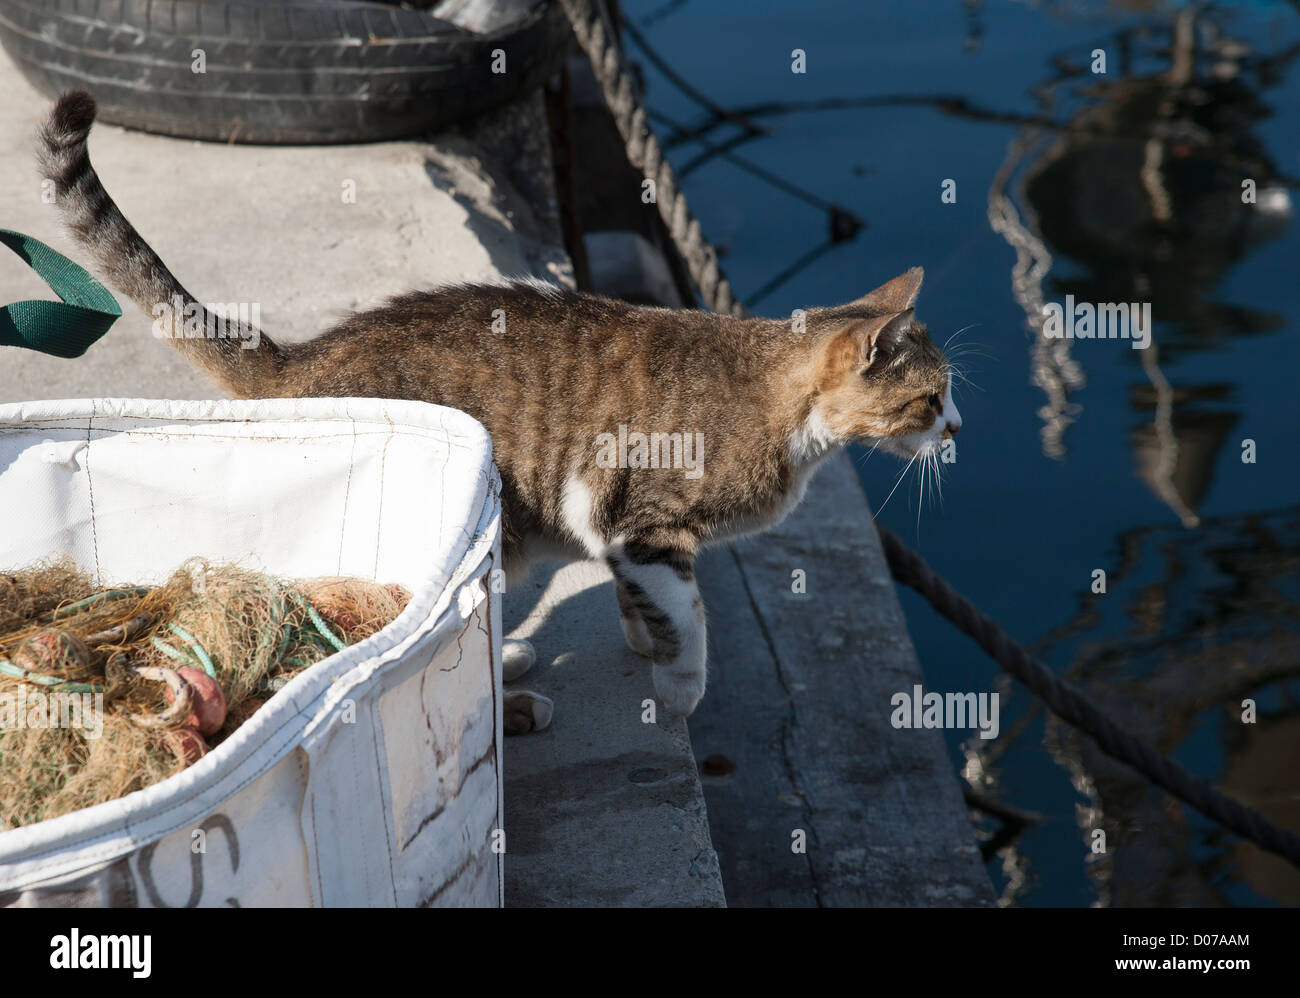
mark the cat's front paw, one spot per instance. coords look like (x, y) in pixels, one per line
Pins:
(679, 691)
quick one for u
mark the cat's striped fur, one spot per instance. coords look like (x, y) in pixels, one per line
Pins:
(555, 376)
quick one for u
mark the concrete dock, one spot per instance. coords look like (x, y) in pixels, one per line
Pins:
(799, 703)
(602, 809)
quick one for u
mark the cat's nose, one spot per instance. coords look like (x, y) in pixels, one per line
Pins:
(953, 419)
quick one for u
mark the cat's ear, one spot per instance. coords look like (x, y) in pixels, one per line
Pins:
(895, 295)
(861, 342)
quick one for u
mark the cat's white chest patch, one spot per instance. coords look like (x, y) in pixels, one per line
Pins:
(810, 442)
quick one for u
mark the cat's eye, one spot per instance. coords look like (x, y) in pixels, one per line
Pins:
(935, 402)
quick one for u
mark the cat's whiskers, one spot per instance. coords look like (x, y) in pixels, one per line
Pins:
(929, 478)
(867, 456)
(958, 375)
(970, 350)
(920, 487)
(956, 334)
(967, 349)
(971, 347)
(901, 475)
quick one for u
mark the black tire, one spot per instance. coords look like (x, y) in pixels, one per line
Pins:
(304, 71)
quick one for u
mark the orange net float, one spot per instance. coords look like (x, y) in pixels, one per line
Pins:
(208, 713)
(186, 743)
(53, 651)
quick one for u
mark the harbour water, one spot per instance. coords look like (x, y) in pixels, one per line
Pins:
(987, 142)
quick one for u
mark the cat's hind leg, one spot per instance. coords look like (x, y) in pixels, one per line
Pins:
(658, 581)
(526, 711)
(517, 657)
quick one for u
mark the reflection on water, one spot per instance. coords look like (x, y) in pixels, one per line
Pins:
(1152, 190)
(1202, 622)
(1125, 186)
(1212, 621)
(1142, 191)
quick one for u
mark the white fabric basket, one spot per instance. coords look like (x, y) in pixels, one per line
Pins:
(374, 777)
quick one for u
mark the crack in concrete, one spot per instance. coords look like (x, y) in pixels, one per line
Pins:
(787, 726)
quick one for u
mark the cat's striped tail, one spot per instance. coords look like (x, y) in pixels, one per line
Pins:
(234, 353)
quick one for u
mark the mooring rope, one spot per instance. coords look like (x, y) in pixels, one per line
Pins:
(1071, 705)
(909, 568)
(646, 155)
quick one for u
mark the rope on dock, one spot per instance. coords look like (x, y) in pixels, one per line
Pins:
(645, 153)
(594, 30)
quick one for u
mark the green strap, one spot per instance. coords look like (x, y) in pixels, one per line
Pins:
(63, 328)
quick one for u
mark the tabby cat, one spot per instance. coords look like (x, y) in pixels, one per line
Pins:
(630, 434)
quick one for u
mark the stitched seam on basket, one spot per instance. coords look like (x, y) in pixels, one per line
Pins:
(347, 494)
(90, 491)
(376, 727)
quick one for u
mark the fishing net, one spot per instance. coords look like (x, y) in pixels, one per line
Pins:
(104, 692)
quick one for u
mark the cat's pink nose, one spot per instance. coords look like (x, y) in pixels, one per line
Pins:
(951, 417)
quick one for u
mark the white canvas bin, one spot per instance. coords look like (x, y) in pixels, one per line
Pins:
(374, 777)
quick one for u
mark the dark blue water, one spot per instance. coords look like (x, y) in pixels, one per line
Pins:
(1122, 186)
